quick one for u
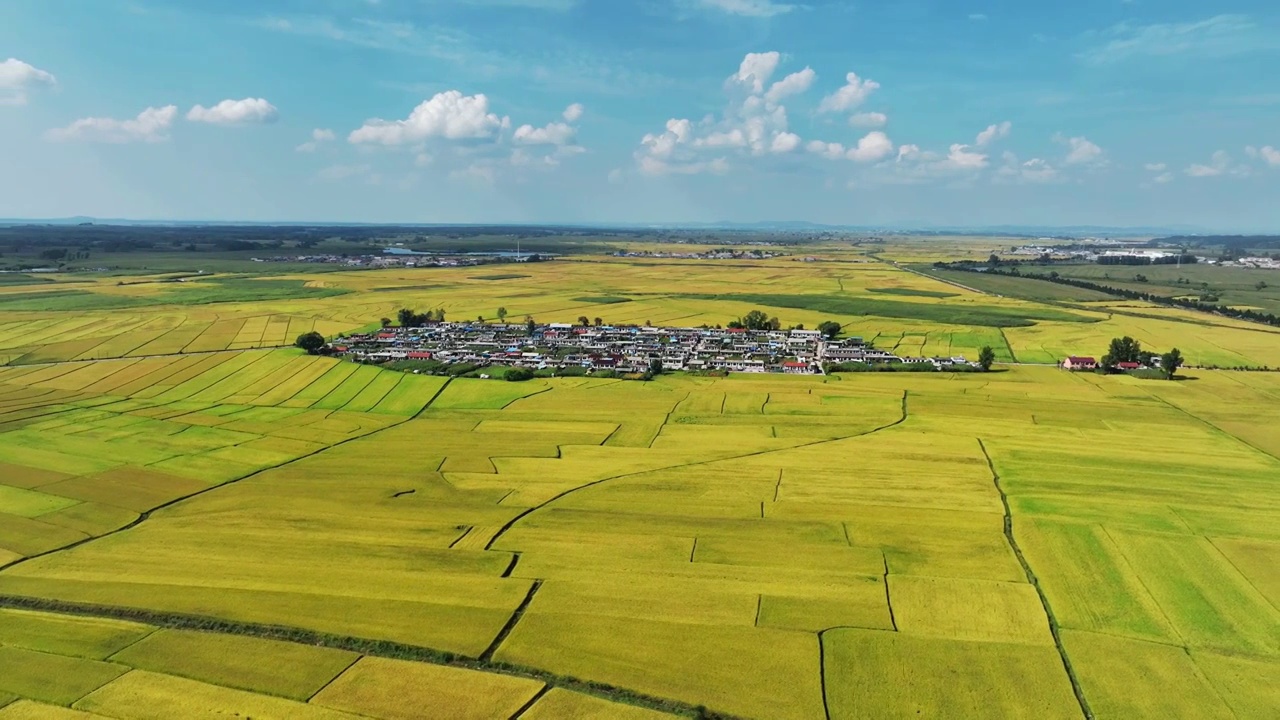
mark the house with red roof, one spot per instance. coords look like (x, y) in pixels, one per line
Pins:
(1079, 363)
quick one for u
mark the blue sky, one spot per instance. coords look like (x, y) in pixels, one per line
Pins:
(912, 112)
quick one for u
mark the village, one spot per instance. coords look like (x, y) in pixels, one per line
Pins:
(625, 349)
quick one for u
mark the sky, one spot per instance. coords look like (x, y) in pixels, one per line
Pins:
(903, 113)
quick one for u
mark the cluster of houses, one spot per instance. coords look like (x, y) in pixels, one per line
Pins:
(628, 349)
(717, 254)
(389, 260)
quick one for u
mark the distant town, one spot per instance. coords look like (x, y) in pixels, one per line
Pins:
(629, 349)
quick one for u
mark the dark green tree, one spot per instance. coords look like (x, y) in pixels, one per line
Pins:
(1170, 362)
(986, 358)
(583, 321)
(530, 324)
(310, 341)
(655, 366)
(386, 322)
(829, 328)
(1124, 349)
(502, 315)
(755, 320)
(407, 317)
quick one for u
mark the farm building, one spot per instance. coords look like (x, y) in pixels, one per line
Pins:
(1079, 363)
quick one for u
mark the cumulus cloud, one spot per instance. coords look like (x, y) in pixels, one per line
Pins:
(1266, 153)
(993, 133)
(854, 92)
(17, 78)
(1219, 165)
(449, 115)
(748, 8)
(868, 120)
(755, 123)
(1035, 170)
(151, 125)
(1080, 151)
(318, 137)
(556, 133)
(873, 147)
(235, 112)
(756, 69)
(793, 84)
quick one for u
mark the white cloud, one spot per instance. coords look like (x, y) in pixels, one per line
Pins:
(1035, 170)
(318, 136)
(235, 112)
(993, 133)
(868, 120)
(151, 125)
(754, 125)
(556, 133)
(449, 115)
(1080, 151)
(756, 69)
(1156, 167)
(784, 142)
(17, 78)
(977, 17)
(874, 147)
(1266, 153)
(749, 8)
(854, 92)
(830, 150)
(1219, 165)
(574, 112)
(793, 84)
(1163, 178)
(962, 157)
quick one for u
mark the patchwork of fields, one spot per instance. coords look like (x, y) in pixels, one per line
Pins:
(256, 531)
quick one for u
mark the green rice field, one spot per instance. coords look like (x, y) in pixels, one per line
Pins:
(198, 521)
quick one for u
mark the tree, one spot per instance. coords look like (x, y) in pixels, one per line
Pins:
(502, 315)
(480, 319)
(519, 375)
(986, 357)
(655, 366)
(829, 328)
(407, 317)
(1124, 349)
(530, 324)
(439, 314)
(775, 323)
(583, 321)
(310, 341)
(1262, 285)
(993, 261)
(386, 322)
(598, 322)
(1170, 362)
(755, 320)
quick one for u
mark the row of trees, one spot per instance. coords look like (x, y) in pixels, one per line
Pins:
(409, 318)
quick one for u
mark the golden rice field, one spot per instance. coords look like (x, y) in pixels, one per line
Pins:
(261, 532)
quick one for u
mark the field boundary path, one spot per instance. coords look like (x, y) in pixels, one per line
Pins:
(1035, 583)
(364, 646)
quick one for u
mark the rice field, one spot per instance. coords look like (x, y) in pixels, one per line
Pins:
(322, 539)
